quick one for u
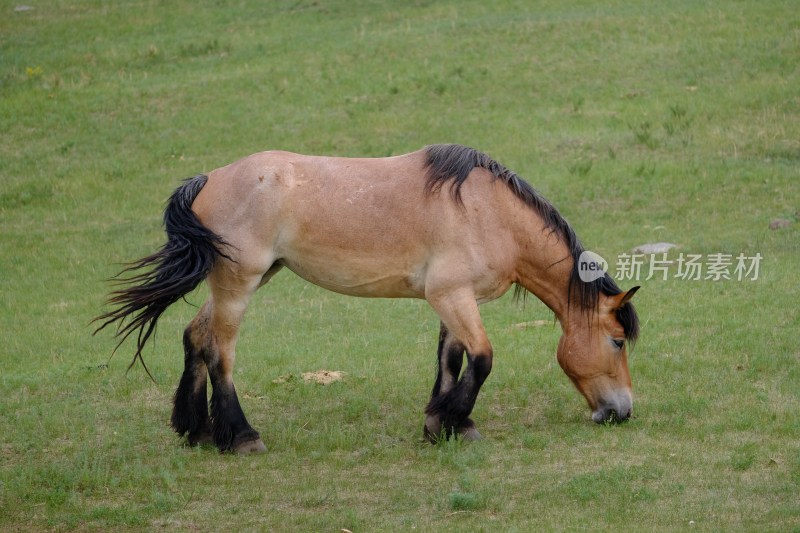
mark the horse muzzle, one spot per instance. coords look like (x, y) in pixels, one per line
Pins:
(615, 409)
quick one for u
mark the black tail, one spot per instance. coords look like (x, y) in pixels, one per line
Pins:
(171, 273)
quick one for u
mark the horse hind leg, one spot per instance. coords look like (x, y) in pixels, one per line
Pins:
(231, 290)
(209, 347)
(190, 404)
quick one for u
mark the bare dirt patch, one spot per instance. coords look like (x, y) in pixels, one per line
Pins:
(320, 377)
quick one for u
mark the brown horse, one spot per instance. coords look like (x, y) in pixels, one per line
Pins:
(446, 223)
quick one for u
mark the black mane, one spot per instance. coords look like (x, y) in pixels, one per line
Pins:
(453, 163)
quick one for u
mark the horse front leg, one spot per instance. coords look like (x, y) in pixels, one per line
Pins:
(453, 399)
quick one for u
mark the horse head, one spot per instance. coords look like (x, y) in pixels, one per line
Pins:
(593, 352)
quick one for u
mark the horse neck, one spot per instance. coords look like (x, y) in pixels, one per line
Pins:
(544, 269)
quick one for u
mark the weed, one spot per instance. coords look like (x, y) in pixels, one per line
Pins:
(581, 167)
(203, 49)
(33, 73)
(643, 134)
(465, 501)
(744, 456)
(152, 52)
(577, 103)
(644, 170)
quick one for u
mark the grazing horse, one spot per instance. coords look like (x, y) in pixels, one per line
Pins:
(445, 223)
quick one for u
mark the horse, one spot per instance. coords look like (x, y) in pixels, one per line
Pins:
(447, 224)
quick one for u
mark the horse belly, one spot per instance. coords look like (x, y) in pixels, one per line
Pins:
(355, 274)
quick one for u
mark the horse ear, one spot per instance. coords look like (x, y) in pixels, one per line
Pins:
(624, 297)
(628, 295)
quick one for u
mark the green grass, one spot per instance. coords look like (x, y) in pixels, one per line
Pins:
(642, 121)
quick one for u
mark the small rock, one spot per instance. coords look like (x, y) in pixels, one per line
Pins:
(20, 9)
(779, 223)
(654, 248)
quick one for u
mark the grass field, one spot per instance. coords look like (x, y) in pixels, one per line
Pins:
(642, 121)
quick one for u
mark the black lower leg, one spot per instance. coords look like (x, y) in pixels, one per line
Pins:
(190, 403)
(449, 356)
(230, 428)
(454, 406)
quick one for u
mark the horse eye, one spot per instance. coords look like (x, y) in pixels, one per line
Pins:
(619, 343)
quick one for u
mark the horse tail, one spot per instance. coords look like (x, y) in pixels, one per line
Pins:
(168, 274)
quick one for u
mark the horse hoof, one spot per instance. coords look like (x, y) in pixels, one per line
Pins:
(251, 446)
(200, 439)
(433, 429)
(471, 434)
